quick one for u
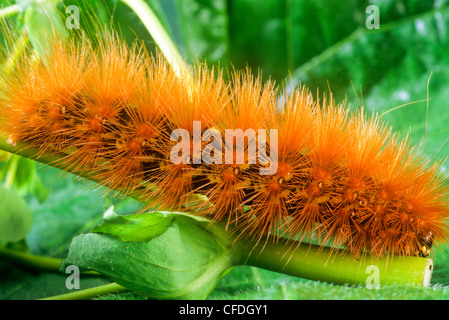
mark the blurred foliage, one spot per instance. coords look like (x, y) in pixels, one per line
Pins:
(322, 43)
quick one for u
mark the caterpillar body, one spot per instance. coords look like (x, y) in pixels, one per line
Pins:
(341, 178)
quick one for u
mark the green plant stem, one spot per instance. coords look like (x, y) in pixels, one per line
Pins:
(9, 11)
(12, 170)
(33, 261)
(22, 149)
(48, 264)
(90, 293)
(335, 265)
(160, 36)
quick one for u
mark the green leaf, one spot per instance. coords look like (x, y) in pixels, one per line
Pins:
(4, 156)
(314, 26)
(258, 36)
(204, 27)
(15, 216)
(44, 22)
(401, 64)
(183, 262)
(21, 175)
(22, 284)
(71, 208)
(129, 26)
(138, 228)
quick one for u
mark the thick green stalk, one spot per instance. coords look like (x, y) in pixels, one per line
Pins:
(90, 293)
(48, 264)
(336, 265)
(9, 11)
(32, 261)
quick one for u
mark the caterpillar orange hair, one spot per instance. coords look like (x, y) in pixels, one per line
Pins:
(341, 178)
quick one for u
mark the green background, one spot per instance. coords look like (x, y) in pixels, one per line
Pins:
(323, 44)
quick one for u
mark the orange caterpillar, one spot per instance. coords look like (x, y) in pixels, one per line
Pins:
(341, 179)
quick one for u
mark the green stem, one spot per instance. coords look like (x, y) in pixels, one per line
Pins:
(22, 149)
(90, 293)
(48, 264)
(33, 261)
(12, 170)
(160, 36)
(335, 265)
(9, 11)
